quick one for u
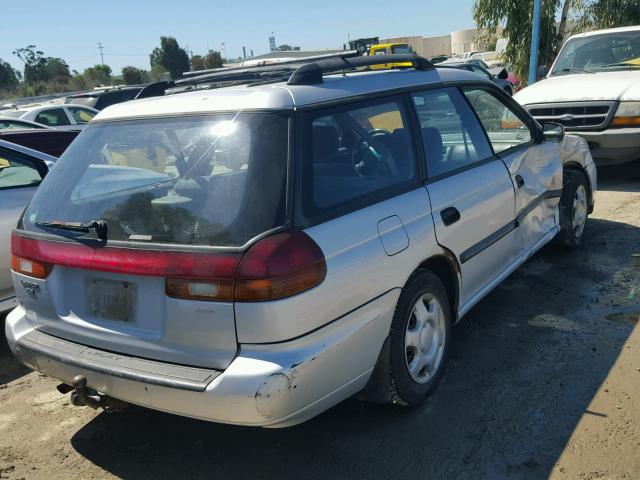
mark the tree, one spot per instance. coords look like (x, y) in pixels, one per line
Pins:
(98, 75)
(56, 70)
(516, 17)
(132, 75)
(212, 59)
(596, 14)
(170, 57)
(197, 63)
(38, 68)
(34, 63)
(8, 77)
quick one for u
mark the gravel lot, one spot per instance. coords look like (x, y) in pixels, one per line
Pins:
(543, 381)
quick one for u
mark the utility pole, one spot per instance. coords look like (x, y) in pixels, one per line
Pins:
(535, 42)
(100, 47)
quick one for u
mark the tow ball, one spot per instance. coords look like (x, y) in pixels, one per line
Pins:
(83, 396)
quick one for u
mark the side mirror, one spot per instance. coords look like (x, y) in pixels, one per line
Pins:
(554, 132)
(503, 75)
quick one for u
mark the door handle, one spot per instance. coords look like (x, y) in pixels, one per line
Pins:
(449, 216)
(519, 181)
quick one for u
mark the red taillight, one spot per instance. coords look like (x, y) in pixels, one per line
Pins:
(134, 261)
(275, 267)
(280, 266)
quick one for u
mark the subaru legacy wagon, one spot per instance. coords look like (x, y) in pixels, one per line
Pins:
(257, 247)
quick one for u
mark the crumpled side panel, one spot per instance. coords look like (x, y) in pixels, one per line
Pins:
(574, 149)
(540, 167)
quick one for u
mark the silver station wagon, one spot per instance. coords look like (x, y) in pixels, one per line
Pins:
(254, 245)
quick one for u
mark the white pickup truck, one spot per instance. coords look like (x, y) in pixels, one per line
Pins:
(593, 89)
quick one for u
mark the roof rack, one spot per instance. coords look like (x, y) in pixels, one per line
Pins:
(274, 62)
(311, 73)
(303, 71)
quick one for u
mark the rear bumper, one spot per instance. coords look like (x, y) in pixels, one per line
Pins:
(271, 385)
(613, 146)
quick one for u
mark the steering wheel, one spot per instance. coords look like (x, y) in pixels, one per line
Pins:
(366, 159)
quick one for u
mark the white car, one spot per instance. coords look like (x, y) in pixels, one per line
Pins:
(63, 117)
(593, 89)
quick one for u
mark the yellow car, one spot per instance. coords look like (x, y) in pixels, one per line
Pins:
(389, 48)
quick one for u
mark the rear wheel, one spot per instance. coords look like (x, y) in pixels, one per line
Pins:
(574, 208)
(420, 337)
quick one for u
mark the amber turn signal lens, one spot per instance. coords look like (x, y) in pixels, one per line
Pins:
(623, 122)
(200, 289)
(30, 268)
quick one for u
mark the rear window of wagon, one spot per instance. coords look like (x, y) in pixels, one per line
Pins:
(215, 180)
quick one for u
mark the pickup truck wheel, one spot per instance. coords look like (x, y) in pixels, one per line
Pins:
(420, 337)
(574, 208)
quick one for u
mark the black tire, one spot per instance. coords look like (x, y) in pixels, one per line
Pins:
(571, 182)
(404, 390)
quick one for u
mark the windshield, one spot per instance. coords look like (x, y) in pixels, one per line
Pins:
(208, 180)
(401, 49)
(610, 51)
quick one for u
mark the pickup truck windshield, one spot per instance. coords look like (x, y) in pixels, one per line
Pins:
(598, 53)
(216, 180)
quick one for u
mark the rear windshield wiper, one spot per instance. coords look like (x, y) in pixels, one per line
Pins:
(100, 227)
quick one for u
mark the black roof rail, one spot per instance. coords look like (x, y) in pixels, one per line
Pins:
(311, 73)
(295, 72)
(156, 89)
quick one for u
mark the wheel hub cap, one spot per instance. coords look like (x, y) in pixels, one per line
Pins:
(424, 338)
(579, 210)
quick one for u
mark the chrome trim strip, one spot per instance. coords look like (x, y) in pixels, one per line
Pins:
(509, 227)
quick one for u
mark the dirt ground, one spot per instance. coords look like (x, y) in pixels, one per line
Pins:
(543, 381)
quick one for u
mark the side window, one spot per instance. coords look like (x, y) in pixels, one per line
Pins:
(504, 128)
(355, 152)
(53, 117)
(451, 135)
(15, 172)
(81, 115)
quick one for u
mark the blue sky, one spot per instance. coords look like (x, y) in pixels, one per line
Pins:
(129, 30)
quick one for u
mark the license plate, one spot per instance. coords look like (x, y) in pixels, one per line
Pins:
(111, 299)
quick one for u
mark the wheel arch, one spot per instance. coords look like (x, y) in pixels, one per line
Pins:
(445, 266)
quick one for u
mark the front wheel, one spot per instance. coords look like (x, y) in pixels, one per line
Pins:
(420, 337)
(574, 208)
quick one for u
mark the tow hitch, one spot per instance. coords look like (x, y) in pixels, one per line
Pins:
(83, 396)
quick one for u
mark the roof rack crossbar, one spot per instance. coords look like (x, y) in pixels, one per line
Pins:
(311, 73)
(273, 62)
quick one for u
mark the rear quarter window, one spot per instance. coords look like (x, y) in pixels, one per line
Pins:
(353, 155)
